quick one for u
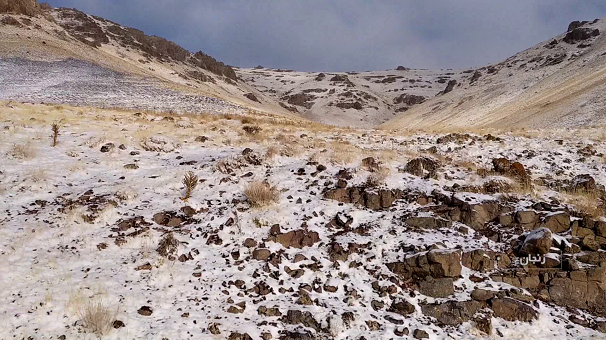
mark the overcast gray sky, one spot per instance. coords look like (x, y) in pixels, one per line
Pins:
(349, 35)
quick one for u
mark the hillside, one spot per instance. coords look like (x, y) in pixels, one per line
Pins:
(65, 56)
(62, 55)
(294, 231)
(152, 193)
(557, 83)
(359, 99)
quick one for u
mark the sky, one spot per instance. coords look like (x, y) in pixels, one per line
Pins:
(349, 35)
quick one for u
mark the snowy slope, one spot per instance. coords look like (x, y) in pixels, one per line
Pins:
(557, 83)
(82, 227)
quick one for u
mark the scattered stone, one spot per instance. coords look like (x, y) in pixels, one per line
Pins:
(261, 254)
(296, 238)
(420, 334)
(131, 166)
(145, 311)
(108, 147)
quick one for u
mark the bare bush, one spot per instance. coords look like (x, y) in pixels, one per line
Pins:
(56, 129)
(252, 129)
(191, 182)
(261, 194)
(23, 151)
(97, 317)
(168, 245)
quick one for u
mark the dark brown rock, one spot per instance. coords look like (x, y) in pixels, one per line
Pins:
(145, 311)
(296, 238)
(424, 167)
(513, 310)
(261, 254)
(452, 313)
(537, 242)
(437, 288)
(557, 223)
(402, 307)
(420, 334)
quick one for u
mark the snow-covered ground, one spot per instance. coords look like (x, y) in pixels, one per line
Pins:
(82, 83)
(80, 227)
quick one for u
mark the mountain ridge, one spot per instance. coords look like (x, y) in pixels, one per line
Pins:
(496, 95)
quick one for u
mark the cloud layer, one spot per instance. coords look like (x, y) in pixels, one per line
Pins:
(347, 35)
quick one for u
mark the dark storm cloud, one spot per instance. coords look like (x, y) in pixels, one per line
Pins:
(344, 35)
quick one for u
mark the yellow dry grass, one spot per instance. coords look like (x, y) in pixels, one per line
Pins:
(261, 194)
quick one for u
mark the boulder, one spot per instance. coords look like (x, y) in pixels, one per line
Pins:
(581, 33)
(261, 254)
(424, 167)
(437, 288)
(482, 295)
(402, 307)
(537, 242)
(296, 238)
(428, 222)
(557, 223)
(513, 310)
(590, 242)
(479, 260)
(158, 144)
(527, 219)
(450, 86)
(581, 290)
(445, 263)
(452, 313)
(420, 334)
(477, 215)
(108, 147)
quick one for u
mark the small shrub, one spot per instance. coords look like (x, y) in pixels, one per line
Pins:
(56, 129)
(272, 152)
(246, 120)
(261, 194)
(190, 181)
(23, 151)
(97, 317)
(252, 129)
(168, 245)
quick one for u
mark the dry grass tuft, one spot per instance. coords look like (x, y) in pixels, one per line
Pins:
(23, 151)
(272, 152)
(26, 7)
(97, 317)
(378, 177)
(261, 194)
(587, 202)
(291, 150)
(191, 182)
(343, 153)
